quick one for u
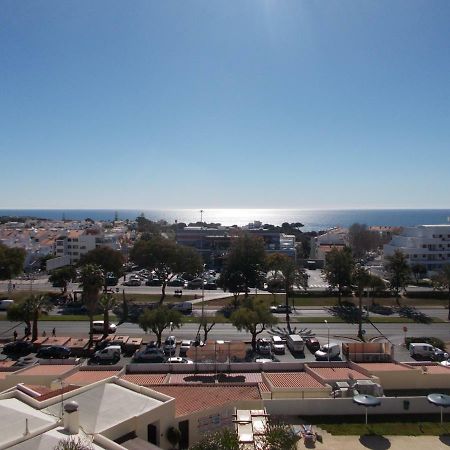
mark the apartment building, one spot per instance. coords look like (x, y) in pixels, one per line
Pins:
(425, 244)
(75, 243)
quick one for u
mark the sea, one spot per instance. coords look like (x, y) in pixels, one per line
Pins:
(313, 220)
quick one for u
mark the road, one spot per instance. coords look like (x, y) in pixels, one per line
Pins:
(394, 332)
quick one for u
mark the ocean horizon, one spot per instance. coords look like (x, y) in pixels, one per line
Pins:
(311, 219)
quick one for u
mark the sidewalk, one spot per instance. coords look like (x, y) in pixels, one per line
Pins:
(381, 442)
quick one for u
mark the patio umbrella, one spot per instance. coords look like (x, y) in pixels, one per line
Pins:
(441, 400)
(366, 401)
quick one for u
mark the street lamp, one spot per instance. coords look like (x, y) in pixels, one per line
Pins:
(328, 343)
(203, 292)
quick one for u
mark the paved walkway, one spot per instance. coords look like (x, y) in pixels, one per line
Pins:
(381, 443)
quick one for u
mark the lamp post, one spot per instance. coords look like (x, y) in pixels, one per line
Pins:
(328, 341)
(203, 292)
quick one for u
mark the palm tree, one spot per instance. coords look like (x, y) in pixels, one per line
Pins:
(399, 272)
(91, 282)
(106, 302)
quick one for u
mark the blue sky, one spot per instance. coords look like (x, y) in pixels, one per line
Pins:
(216, 104)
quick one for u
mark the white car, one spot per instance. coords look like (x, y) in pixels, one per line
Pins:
(179, 360)
(278, 345)
(445, 363)
(170, 345)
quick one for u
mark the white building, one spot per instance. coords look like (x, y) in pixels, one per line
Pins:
(76, 243)
(425, 244)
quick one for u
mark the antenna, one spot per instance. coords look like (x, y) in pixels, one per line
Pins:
(201, 216)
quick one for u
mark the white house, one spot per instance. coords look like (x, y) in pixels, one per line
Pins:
(425, 244)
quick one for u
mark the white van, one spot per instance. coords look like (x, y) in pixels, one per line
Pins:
(295, 343)
(5, 304)
(97, 327)
(328, 351)
(424, 350)
(110, 353)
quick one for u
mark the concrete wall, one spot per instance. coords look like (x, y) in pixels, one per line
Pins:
(413, 379)
(345, 406)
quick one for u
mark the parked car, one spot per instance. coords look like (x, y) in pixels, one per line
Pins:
(53, 351)
(278, 345)
(179, 360)
(17, 348)
(132, 282)
(5, 304)
(423, 350)
(153, 282)
(170, 345)
(149, 355)
(281, 309)
(328, 351)
(196, 283)
(183, 307)
(263, 347)
(111, 353)
(210, 285)
(313, 344)
(98, 325)
(177, 282)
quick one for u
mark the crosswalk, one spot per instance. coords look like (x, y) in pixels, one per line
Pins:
(322, 285)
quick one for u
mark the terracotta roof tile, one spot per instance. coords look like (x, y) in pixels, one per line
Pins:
(145, 379)
(293, 380)
(190, 398)
(48, 369)
(381, 367)
(338, 373)
(4, 364)
(85, 377)
(234, 377)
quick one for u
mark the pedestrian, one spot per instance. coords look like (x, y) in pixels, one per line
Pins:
(44, 334)
(14, 286)
(54, 332)
(15, 335)
(27, 332)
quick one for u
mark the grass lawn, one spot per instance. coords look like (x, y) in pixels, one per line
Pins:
(381, 425)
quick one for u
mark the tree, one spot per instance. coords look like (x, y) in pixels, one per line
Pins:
(254, 318)
(11, 262)
(92, 281)
(338, 269)
(291, 275)
(106, 302)
(173, 435)
(61, 277)
(166, 258)
(207, 326)
(158, 319)
(362, 240)
(441, 281)
(243, 264)
(232, 281)
(376, 285)
(37, 304)
(223, 439)
(279, 436)
(361, 279)
(419, 271)
(19, 312)
(398, 271)
(108, 259)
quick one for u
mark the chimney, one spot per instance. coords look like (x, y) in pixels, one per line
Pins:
(71, 417)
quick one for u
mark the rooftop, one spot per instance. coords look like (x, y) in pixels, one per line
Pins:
(382, 367)
(190, 398)
(296, 380)
(145, 379)
(48, 369)
(338, 373)
(107, 405)
(84, 377)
